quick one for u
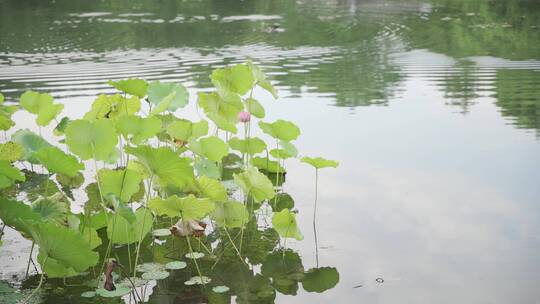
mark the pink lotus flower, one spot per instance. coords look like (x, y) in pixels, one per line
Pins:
(244, 116)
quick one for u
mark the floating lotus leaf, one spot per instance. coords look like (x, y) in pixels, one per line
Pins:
(122, 183)
(57, 161)
(250, 146)
(255, 108)
(134, 281)
(113, 106)
(31, 142)
(118, 292)
(155, 275)
(165, 164)
(194, 255)
(88, 139)
(9, 175)
(133, 86)
(175, 265)
(126, 232)
(284, 222)
(199, 280)
(211, 188)
(150, 267)
(161, 232)
(11, 151)
(320, 279)
(281, 129)
(88, 294)
(211, 147)
(238, 78)
(231, 214)
(138, 129)
(220, 289)
(188, 207)
(255, 184)
(157, 91)
(62, 252)
(42, 105)
(319, 162)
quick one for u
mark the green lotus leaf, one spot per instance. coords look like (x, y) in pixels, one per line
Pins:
(211, 188)
(57, 161)
(280, 129)
(211, 147)
(319, 162)
(320, 279)
(255, 108)
(125, 232)
(42, 105)
(61, 126)
(205, 167)
(175, 265)
(230, 214)
(90, 236)
(122, 183)
(250, 146)
(267, 165)
(238, 78)
(14, 214)
(138, 129)
(88, 294)
(118, 292)
(255, 184)
(198, 280)
(62, 252)
(220, 289)
(261, 80)
(285, 268)
(289, 148)
(133, 86)
(155, 275)
(95, 139)
(157, 91)
(164, 105)
(284, 222)
(113, 106)
(134, 281)
(9, 175)
(161, 232)
(1, 98)
(188, 207)
(194, 255)
(223, 123)
(186, 130)
(70, 182)
(11, 151)
(5, 115)
(51, 210)
(165, 164)
(282, 201)
(222, 111)
(31, 143)
(282, 153)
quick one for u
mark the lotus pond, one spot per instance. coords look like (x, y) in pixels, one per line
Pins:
(269, 151)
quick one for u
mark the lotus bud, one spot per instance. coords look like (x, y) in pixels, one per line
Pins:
(244, 116)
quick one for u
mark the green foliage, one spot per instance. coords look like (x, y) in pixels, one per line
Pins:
(133, 86)
(113, 106)
(285, 224)
(9, 175)
(280, 129)
(95, 139)
(255, 184)
(138, 129)
(158, 91)
(187, 208)
(231, 214)
(211, 147)
(30, 142)
(319, 162)
(185, 130)
(320, 279)
(122, 231)
(211, 188)
(11, 151)
(250, 146)
(267, 165)
(122, 183)
(42, 105)
(57, 161)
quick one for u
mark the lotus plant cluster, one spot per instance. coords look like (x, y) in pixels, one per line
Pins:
(132, 193)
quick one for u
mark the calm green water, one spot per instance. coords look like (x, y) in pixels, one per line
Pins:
(431, 106)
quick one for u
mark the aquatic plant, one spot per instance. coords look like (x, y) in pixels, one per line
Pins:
(166, 197)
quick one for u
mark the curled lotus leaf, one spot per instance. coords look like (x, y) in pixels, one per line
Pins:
(319, 162)
(133, 86)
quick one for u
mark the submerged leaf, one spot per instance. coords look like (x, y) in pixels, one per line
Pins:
(285, 224)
